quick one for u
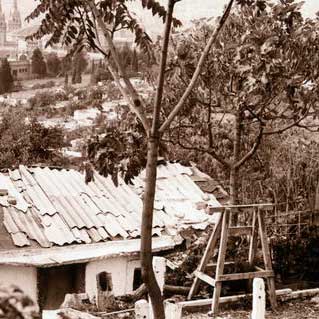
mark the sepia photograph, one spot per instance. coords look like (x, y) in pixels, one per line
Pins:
(159, 159)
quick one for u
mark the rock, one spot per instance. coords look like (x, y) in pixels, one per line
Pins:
(75, 301)
(315, 300)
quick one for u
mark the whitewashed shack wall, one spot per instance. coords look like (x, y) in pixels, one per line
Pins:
(23, 277)
(121, 270)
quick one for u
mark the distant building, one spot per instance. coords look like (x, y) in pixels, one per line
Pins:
(3, 27)
(21, 69)
(14, 22)
(7, 38)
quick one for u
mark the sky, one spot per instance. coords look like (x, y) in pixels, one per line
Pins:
(186, 10)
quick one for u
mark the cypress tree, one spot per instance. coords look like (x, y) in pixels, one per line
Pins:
(6, 79)
(38, 64)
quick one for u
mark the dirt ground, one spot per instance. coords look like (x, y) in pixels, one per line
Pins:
(305, 309)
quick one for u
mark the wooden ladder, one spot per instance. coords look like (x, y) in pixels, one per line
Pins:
(222, 231)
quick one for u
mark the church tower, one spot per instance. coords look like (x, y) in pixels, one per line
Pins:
(3, 27)
(15, 18)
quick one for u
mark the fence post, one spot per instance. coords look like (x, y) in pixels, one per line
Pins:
(159, 266)
(259, 299)
(142, 309)
(172, 310)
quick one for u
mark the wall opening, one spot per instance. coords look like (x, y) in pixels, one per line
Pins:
(137, 279)
(55, 282)
(104, 281)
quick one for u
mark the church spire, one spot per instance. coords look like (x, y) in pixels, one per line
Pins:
(14, 22)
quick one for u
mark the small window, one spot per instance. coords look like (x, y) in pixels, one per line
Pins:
(137, 279)
(104, 281)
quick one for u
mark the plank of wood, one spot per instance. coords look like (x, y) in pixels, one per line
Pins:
(209, 280)
(209, 251)
(253, 240)
(285, 293)
(247, 275)
(267, 259)
(179, 290)
(214, 265)
(221, 260)
(264, 206)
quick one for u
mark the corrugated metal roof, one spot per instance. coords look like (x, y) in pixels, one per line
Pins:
(56, 207)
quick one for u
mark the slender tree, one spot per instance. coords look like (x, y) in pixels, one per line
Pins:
(79, 64)
(38, 64)
(6, 78)
(77, 22)
(135, 67)
(53, 64)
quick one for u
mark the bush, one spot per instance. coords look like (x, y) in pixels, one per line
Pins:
(45, 85)
(41, 99)
(15, 304)
(46, 98)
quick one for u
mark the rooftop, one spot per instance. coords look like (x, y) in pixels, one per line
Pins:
(44, 207)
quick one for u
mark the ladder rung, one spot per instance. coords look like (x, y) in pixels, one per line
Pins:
(214, 265)
(209, 280)
(240, 230)
(247, 275)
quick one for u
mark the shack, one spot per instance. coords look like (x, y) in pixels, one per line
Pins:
(59, 235)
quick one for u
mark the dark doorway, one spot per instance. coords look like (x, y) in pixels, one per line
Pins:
(55, 282)
(104, 281)
(137, 279)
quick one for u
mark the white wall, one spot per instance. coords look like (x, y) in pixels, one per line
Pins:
(23, 277)
(121, 269)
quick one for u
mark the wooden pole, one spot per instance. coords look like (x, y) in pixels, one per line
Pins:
(173, 310)
(221, 260)
(267, 259)
(142, 309)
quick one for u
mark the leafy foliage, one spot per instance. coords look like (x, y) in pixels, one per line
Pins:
(73, 23)
(120, 148)
(262, 79)
(28, 142)
(46, 98)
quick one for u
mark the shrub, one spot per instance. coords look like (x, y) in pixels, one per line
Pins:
(45, 85)
(15, 304)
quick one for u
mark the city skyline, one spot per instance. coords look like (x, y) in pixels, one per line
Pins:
(186, 10)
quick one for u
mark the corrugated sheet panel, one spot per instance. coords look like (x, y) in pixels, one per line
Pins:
(57, 207)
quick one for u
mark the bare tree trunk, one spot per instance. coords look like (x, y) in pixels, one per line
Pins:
(234, 170)
(233, 185)
(150, 183)
(146, 232)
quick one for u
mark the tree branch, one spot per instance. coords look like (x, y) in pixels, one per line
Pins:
(136, 103)
(161, 76)
(211, 151)
(199, 67)
(282, 130)
(253, 149)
